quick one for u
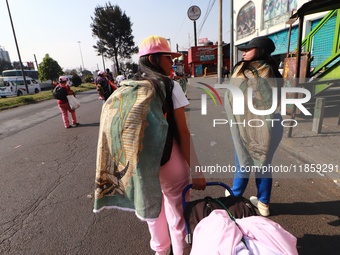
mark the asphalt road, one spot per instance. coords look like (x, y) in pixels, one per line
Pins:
(47, 185)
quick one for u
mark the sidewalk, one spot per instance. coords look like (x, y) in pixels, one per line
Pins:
(312, 148)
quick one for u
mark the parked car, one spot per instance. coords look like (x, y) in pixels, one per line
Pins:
(17, 86)
(8, 88)
(46, 85)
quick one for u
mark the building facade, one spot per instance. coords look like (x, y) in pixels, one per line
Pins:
(4, 56)
(268, 17)
(202, 60)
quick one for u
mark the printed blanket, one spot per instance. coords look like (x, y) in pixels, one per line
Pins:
(252, 134)
(130, 145)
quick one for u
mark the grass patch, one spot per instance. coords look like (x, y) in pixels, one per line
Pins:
(15, 101)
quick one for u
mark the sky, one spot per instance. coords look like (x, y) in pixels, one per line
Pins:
(62, 28)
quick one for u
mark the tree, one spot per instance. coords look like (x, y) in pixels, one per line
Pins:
(132, 66)
(5, 65)
(70, 72)
(76, 80)
(86, 72)
(113, 29)
(88, 78)
(49, 69)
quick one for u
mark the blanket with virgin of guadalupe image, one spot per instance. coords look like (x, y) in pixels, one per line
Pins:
(130, 146)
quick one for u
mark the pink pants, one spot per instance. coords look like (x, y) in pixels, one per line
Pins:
(174, 176)
(65, 108)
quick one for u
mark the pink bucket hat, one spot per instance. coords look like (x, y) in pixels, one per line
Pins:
(156, 44)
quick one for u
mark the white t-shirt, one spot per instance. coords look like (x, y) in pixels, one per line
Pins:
(178, 98)
(120, 78)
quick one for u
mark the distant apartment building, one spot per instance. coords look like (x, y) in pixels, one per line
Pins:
(4, 56)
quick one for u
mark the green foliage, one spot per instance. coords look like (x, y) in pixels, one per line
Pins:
(88, 78)
(49, 69)
(15, 101)
(76, 80)
(132, 66)
(113, 29)
(86, 72)
(70, 72)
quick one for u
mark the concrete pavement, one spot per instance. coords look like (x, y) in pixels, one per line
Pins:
(312, 148)
(321, 149)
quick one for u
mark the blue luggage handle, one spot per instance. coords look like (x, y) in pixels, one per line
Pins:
(185, 190)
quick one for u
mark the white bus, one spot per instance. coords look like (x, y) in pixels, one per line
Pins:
(30, 73)
(17, 72)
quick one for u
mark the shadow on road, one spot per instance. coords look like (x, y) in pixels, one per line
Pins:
(318, 248)
(304, 208)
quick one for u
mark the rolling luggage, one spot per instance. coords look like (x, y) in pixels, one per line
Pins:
(195, 211)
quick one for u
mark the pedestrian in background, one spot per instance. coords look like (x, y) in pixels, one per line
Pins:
(255, 145)
(155, 62)
(64, 105)
(109, 74)
(130, 74)
(225, 72)
(103, 87)
(120, 78)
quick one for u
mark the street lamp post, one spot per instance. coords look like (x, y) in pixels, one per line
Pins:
(81, 55)
(16, 44)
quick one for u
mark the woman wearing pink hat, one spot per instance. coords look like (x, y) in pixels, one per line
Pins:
(155, 62)
(64, 105)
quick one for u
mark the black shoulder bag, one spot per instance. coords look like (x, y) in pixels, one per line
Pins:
(168, 108)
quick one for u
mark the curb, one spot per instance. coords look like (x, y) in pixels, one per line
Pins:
(308, 158)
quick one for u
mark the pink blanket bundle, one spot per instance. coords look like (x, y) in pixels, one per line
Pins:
(219, 234)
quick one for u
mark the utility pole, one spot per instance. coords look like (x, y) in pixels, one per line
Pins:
(189, 40)
(36, 62)
(231, 35)
(81, 55)
(169, 40)
(220, 45)
(16, 44)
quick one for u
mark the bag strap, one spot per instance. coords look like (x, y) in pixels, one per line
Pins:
(254, 72)
(169, 110)
(112, 84)
(233, 219)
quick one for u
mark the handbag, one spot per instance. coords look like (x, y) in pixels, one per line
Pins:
(73, 102)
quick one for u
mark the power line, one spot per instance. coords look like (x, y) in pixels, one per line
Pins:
(180, 28)
(206, 15)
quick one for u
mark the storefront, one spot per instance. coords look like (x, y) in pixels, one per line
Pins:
(203, 59)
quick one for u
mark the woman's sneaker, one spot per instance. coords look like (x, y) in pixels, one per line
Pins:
(263, 208)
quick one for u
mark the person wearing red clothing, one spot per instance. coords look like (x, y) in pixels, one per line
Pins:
(64, 105)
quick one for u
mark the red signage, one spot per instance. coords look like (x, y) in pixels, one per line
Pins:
(202, 40)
